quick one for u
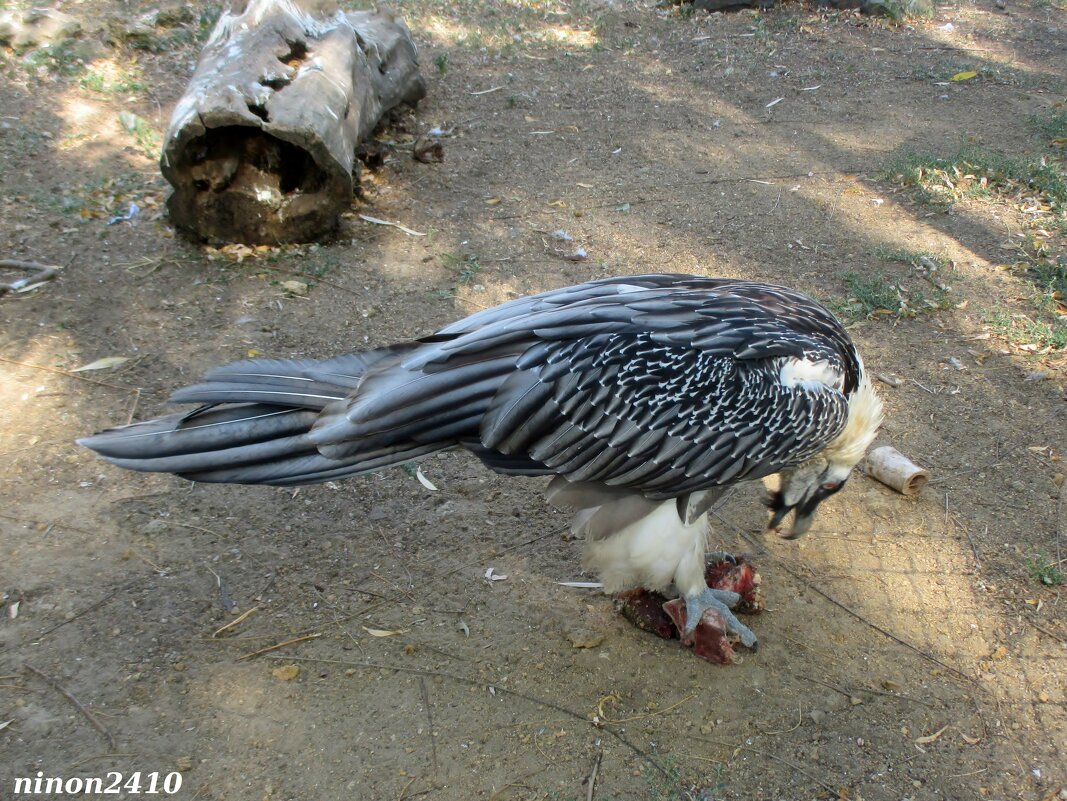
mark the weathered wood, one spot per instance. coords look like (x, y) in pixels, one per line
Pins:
(261, 147)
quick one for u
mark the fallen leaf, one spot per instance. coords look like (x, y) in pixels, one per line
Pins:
(424, 481)
(184, 763)
(930, 738)
(890, 685)
(298, 288)
(102, 364)
(384, 632)
(286, 672)
(970, 740)
(964, 76)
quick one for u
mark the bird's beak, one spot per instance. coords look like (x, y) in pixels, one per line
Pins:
(779, 511)
(802, 520)
(801, 524)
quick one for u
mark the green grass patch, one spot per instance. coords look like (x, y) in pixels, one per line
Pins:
(98, 77)
(976, 172)
(1044, 570)
(900, 10)
(147, 138)
(464, 268)
(874, 295)
(1025, 331)
(67, 60)
(1050, 276)
(1052, 126)
(912, 257)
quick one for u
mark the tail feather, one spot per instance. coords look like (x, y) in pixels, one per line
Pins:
(308, 467)
(203, 430)
(255, 424)
(305, 383)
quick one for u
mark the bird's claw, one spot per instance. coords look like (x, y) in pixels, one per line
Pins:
(721, 601)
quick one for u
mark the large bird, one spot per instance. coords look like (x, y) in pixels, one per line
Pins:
(645, 396)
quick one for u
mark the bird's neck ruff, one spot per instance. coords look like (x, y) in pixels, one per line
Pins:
(864, 418)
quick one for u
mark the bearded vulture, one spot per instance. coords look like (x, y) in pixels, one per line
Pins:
(645, 396)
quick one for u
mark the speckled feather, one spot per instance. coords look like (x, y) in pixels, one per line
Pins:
(662, 384)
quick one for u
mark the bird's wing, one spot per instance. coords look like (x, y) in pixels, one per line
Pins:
(669, 389)
(663, 384)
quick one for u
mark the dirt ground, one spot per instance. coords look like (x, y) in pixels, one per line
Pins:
(908, 652)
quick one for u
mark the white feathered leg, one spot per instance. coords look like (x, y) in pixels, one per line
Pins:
(658, 551)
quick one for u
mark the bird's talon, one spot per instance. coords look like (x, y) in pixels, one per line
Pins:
(728, 597)
(720, 601)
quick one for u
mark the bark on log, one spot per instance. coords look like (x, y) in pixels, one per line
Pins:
(262, 145)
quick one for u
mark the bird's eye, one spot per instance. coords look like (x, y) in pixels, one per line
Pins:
(830, 486)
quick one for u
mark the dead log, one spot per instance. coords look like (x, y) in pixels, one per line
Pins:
(261, 148)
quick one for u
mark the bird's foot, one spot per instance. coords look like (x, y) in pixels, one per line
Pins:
(732, 584)
(709, 636)
(736, 575)
(719, 601)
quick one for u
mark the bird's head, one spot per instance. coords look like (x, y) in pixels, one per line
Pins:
(810, 483)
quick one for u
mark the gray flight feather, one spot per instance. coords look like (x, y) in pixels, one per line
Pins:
(659, 385)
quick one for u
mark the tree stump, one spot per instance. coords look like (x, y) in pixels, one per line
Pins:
(261, 147)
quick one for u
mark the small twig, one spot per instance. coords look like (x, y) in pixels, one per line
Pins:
(368, 665)
(920, 386)
(404, 792)
(377, 221)
(234, 622)
(42, 273)
(228, 603)
(69, 374)
(1060, 524)
(797, 768)
(974, 548)
(276, 646)
(109, 755)
(833, 790)
(1051, 634)
(198, 528)
(606, 720)
(848, 693)
(800, 719)
(429, 718)
(87, 609)
(591, 781)
(96, 724)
